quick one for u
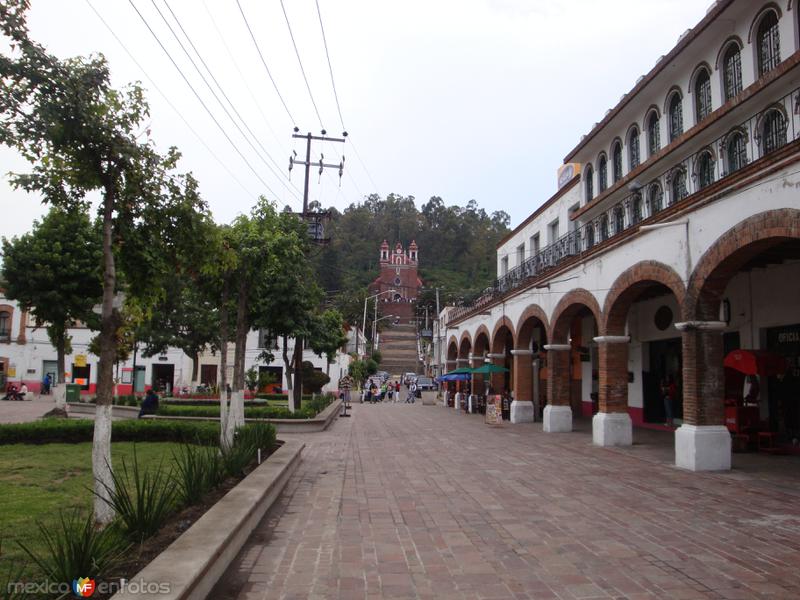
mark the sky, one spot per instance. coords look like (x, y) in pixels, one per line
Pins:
(462, 99)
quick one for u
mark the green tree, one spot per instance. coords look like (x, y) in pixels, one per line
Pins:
(327, 335)
(53, 272)
(82, 135)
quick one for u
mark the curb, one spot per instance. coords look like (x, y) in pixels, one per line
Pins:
(193, 563)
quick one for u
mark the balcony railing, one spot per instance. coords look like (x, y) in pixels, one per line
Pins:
(763, 133)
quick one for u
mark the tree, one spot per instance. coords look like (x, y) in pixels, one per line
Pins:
(327, 334)
(82, 135)
(53, 272)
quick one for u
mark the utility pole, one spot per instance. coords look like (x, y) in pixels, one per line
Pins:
(315, 221)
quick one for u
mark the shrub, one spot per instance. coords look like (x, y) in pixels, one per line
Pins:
(248, 440)
(73, 431)
(254, 412)
(73, 546)
(142, 499)
(198, 470)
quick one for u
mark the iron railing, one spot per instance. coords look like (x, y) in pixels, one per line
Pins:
(711, 163)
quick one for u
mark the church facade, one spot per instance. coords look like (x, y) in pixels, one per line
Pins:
(398, 281)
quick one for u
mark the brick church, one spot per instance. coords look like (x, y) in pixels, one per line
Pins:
(398, 272)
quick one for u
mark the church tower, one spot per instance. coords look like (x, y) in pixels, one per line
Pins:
(398, 273)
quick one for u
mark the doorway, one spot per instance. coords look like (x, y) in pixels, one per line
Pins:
(163, 378)
(666, 363)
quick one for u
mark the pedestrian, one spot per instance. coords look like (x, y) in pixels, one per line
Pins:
(412, 393)
(397, 389)
(375, 393)
(667, 399)
(11, 392)
(345, 384)
(46, 382)
(23, 391)
(390, 392)
(383, 392)
(149, 404)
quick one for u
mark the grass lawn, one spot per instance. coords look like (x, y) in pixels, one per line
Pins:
(39, 480)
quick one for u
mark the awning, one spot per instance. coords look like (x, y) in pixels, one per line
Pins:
(487, 369)
(756, 362)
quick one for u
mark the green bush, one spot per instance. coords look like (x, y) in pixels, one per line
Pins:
(74, 547)
(142, 498)
(73, 431)
(248, 440)
(198, 470)
(261, 412)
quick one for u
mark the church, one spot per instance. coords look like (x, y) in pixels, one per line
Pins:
(398, 281)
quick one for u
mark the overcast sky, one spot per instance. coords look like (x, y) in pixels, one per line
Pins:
(463, 99)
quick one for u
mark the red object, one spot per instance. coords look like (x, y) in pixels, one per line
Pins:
(740, 419)
(756, 362)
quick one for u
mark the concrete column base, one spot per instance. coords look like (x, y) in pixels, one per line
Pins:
(521, 411)
(612, 429)
(457, 403)
(470, 404)
(557, 419)
(703, 448)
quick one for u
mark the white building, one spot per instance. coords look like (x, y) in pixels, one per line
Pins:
(673, 238)
(27, 355)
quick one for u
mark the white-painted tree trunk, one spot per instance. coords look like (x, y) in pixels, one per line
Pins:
(224, 415)
(101, 465)
(59, 392)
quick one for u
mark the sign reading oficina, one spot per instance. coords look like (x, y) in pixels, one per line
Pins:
(80, 360)
(493, 415)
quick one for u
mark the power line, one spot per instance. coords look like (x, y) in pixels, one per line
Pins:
(168, 101)
(199, 99)
(233, 107)
(264, 62)
(302, 70)
(213, 93)
(330, 67)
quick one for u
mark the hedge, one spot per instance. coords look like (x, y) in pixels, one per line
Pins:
(309, 409)
(73, 431)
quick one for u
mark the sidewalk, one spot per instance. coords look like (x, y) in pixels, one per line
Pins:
(29, 410)
(419, 501)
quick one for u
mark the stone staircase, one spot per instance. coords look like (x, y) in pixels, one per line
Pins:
(398, 348)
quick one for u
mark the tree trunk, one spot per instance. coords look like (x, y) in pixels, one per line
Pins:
(297, 391)
(287, 363)
(236, 416)
(60, 357)
(223, 376)
(101, 443)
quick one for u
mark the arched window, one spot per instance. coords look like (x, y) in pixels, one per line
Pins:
(602, 173)
(732, 71)
(655, 198)
(617, 156)
(619, 219)
(653, 134)
(588, 174)
(633, 148)
(736, 151)
(5, 325)
(768, 43)
(705, 169)
(773, 131)
(702, 95)
(604, 233)
(636, 208)
(678, 185)
(675, 116)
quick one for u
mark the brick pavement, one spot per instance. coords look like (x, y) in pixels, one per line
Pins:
(29, 410)
(421, 502)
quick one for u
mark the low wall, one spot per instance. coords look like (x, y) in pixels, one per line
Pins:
(193, 564)
(117, 412)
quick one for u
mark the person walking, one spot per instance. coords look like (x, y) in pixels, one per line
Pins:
(46, 383)
(412, 393)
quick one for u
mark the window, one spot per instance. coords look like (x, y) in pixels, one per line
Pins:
(736, 152)
(702, 95)
(705, 169)
(589, 235)
(769, 43)
(675, 116)
(602, 173)
(5, 325)
(588, 174)
(535, 244)
(553, 231)
(653, 134)
(636, 208)
(520, 254)
(604, 233)
(617, 157)
(732, 71)
(633, 148)
(655, 198)
(503, 266)
(679, 191)
(773, 131)
(619, 219)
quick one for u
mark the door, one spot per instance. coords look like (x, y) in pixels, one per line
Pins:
(208, 374)
(138, 379)
(163, 378)
(50, 367)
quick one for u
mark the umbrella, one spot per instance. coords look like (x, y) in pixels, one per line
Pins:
(488, 368)
(460, 371)
(756, 362)
(454, 377)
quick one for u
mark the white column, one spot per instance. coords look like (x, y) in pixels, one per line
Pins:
(703, 448)
(557, 419)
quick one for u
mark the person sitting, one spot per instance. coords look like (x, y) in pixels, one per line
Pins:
(11, 392)
(23, 391)
(149, 404)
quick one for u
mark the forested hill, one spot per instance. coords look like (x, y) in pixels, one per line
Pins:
(456, 244)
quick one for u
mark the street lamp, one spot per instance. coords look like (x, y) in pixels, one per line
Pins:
(364, 321)
(374, 328)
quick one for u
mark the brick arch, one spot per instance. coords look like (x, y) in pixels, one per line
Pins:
(465, 340)
(534, 311)
(452, 344)
(504, 322)
(627, 287)
(729, 253)
(567, 308)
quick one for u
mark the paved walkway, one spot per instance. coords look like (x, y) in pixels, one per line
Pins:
(29, 410)
(418, 501)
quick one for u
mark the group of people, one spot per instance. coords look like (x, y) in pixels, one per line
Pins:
(389, 391)
(16, 393)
